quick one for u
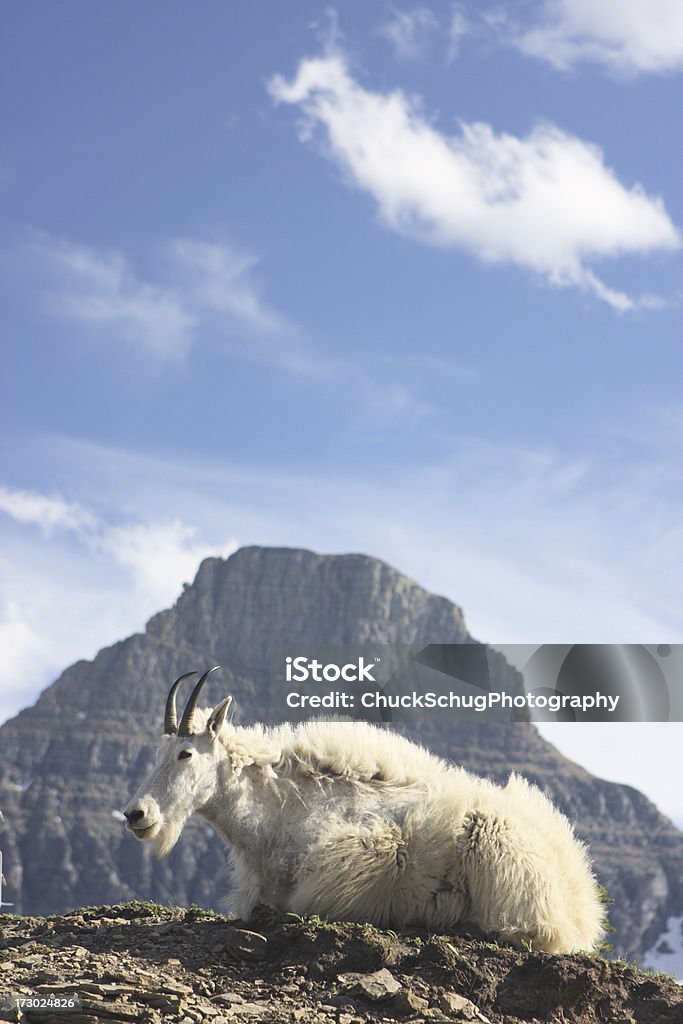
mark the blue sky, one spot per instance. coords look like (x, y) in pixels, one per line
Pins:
(401, 279)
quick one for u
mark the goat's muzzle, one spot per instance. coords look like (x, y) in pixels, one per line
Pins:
(136, 823)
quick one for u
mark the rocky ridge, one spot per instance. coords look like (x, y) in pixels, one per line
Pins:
(147, 963)
(70, 762)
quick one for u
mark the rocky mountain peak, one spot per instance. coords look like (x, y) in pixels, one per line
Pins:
(238, 607)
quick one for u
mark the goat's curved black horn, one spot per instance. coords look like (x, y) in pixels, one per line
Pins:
(171, 716)
(186, 722)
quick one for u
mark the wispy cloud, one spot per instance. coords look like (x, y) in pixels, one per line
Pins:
(221, 278)
(458, 27)
(220, 283)
(624, 36)
(198, 284)
(414, 33)
(99, 290)
(45, 511)
(546, 202)
(410, 32)
(218, 291)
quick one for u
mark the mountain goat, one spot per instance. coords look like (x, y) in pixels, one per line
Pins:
(355, 823)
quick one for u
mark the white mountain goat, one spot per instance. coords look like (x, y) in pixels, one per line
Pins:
(354, 823)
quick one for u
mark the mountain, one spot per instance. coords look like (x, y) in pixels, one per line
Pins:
(69, 763)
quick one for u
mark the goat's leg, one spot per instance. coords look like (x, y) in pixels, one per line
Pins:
(246, 891)
(513, 891)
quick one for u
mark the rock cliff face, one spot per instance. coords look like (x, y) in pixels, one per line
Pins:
(69, 763)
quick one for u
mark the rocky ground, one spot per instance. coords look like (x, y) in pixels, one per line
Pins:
(144, 962)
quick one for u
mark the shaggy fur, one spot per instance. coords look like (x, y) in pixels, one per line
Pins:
(356, 823)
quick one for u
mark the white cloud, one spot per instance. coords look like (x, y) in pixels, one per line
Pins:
(625, 36)
(43, 510)
(111, 576)
(47, 595)
(410, 32)
(24, 656)
(160, 556)
(546, 202)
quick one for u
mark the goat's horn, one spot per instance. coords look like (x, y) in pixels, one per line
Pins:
(171, 717)
(185, 727)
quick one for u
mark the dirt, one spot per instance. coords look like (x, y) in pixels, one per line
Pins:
(144, 962)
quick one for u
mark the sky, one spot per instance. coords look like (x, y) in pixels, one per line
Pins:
(392, 278)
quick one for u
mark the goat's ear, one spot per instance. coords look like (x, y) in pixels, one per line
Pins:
(217, 717)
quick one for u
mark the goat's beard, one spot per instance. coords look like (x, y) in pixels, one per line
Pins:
(164, 841)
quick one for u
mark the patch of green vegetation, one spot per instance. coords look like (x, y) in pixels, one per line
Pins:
(606, 900)
(495, 947)
(604, 896)
(319, 923)
(621, 962)
(201, 912)
(659, 976)
(146, 906)
(133, 908)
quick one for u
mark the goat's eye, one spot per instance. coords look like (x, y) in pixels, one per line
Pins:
(183, 754)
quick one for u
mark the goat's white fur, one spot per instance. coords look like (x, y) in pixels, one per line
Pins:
(352, 822)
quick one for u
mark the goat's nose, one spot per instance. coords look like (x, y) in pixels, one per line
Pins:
(134, 816)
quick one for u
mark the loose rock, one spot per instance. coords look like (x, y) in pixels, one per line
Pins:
(459, 1006)
(408, 1002)
(378, 986)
